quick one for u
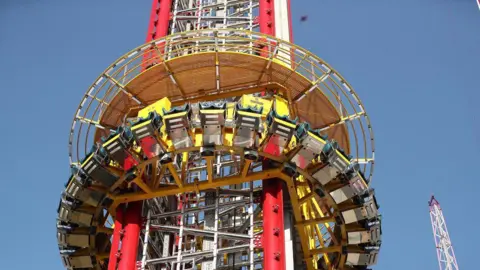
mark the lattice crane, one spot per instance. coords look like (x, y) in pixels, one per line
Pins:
(445, 254)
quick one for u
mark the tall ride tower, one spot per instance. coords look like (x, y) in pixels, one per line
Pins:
(219, 144)
(445, 254)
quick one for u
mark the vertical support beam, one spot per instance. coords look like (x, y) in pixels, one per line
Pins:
(129, 223)
(145, 241)
(152, 24)
(267, 25)
(159, 19)
(180, 234)
(250, 232)
(158, 27)
(117, 231)
(289, 12)
(289, 246)
(209, 224)
(273, 233)
(266, 17)
(273, 225)
(133, 223)
(215, 235)
(283, 28)
(132, 220)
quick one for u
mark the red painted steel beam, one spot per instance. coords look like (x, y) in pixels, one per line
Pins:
(159, 19)
(117, 234)
(266, 17)
(120, 221)
(266, 21)
(131, 236)
(158, 27)
(133, 219)
(273, 238)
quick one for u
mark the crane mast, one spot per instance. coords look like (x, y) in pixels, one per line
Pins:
(445, 254)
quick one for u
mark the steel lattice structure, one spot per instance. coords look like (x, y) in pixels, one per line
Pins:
(219, 144)
(445, 254)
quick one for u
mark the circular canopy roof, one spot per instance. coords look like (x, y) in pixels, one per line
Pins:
(210, 64)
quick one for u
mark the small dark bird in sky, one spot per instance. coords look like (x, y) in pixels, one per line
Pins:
(303, 18)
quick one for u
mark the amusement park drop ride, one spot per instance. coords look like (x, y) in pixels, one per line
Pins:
(213, 146)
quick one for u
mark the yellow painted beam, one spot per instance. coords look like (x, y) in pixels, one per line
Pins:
(316, 221)
(172, 190)
(158, 178)
(298, 217)
(142, 185)
(102, 256)
(104, 230)
(153, 178)
(174, 173)
(322, 244)
(305, 198)
(246, 167)
(323, 250)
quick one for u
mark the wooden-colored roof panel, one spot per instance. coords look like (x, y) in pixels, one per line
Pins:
(317, 110)
(235, 76)
(240, 70)
(196, 80)
(338, 134)
(115, 112)
(297, 84)
(159, 89)
(101, 133)
(147, 78)
(185, 63)
(241, 61)
(287, 77)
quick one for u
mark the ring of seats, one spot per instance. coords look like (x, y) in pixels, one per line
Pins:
(261, 126)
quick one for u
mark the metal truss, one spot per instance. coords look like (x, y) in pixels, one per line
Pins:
(202, 14)
(443, 245)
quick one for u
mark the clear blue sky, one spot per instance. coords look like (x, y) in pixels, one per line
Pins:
(415, 64)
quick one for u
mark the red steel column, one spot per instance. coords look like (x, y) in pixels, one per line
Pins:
(273, 238)
(117, 231)
(266, 17)
(266, 21)
(159, 19)
(158, 27)
(131, 236)
(133, 222)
